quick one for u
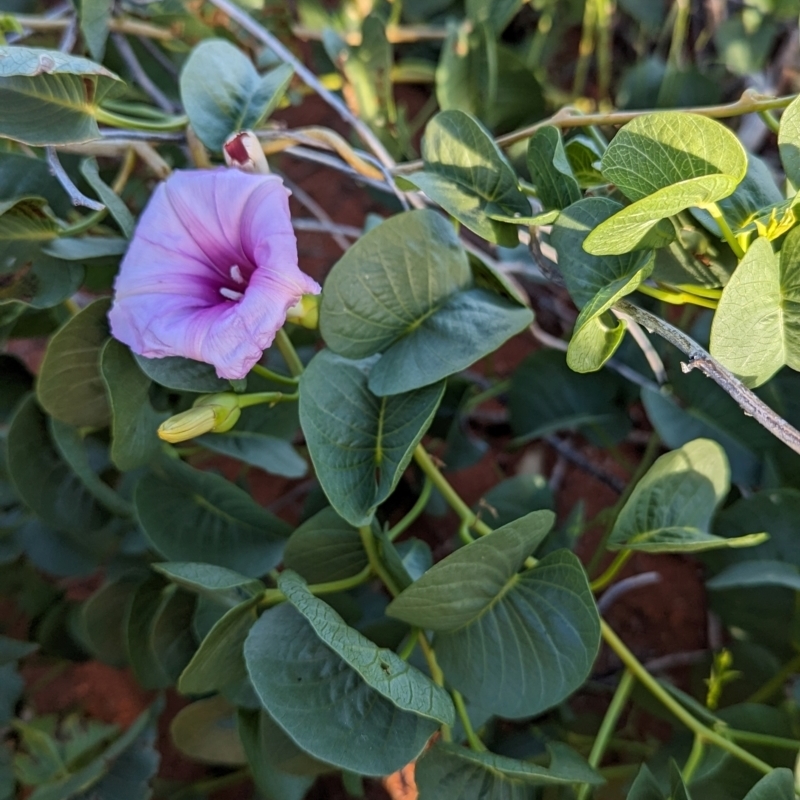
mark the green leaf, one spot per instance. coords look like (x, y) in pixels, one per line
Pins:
(205, 731)
(468, 326)
(49, 97)
(112, 201)
(27, 219)
(789, 141)
(325, 548)
(584, 154)
(389, 281)
(360, 444)
(13, 650)
(754, 194)
(144, 608)
(269, 453)
(70, 385)
(72, 448)
(183, 374)
(40, 282)
(550, 170)
(468, 175)
(756, 328)
(104, 616)
(270, 751)
(448, 770)
(86, 248)
(665, 162)
(134, 422)
(546, 396)
(645, 786)
(340, 697)
(494, 623)
(778, 785)
(189, 515)
(498, 13)
(42, 479)
(222, 92)
(671, 507)
(170, 636)
(94, 16)
(757, 573)
(217, 583)
(219, 661)
(595, 282)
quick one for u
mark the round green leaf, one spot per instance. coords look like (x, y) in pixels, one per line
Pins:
(70, 385)
(217, 583)
(44, 482)
(206, 731)
(325, 548)
(671, 507)
(190, 515)
(515, 643)
(359, 444)
(468, 175)
(756, 328)
(269, 453)
(49, 97)
(336, 694)
(550, 170)
(448, 770)
(222, 92)
(104, 615)
(183, 374)
(789, 141)
(389, 281)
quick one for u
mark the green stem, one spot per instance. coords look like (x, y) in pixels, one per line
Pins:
(686, 718)
(676, 298)
(487, 394)
(274, 376)
(211, 785)
(605, 14)
(368, 540)
(770, 121)
(585, 48)
(461, 709)
(679, 30)
(608, 725)
(695, 757)
(259, 398)
(414, 512)
(436, 674)
(725, 229)
(775, 683)
(271, 597)
(762, 739)
(284, 344)
(108, 117)
(648, 457)
(411, 643)
(450, 495)
(84, 224)
(620, 560)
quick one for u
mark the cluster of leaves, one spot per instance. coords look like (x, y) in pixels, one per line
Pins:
(334, 646)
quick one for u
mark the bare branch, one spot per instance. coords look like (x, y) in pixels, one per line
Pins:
(699, 358)
(77, 197)
(139, 75)
(620, 588)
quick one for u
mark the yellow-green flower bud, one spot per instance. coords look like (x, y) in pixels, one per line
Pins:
(305, 312)
(226, 410)
(187, 425)
(214, 413)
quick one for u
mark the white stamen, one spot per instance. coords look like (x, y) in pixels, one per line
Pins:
(236, 273)
(230, 294)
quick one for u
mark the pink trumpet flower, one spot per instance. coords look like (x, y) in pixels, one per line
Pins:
(211, 270)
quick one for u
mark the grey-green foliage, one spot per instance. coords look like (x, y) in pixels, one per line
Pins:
(494, 623)
(550, 169)
(339, 696)
(223, 93)
(359, 443)
(756, 327)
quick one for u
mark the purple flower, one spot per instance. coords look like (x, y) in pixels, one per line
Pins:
(211, 270)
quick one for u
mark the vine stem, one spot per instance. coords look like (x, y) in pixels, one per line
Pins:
(259, 398)
(725, 229)
(414, 512)
(436, 674)
(284, 344)
(377, 566)
(701, 359)
(273, 376)
(244, 20)
(608, 725)
(466, 514)
(271, 597)
(695, 757)
(749, 102)
(461, 709)
(708, 735)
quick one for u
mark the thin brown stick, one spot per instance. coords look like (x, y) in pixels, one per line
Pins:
(133, 27)
(395, 34)
(701, 359)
